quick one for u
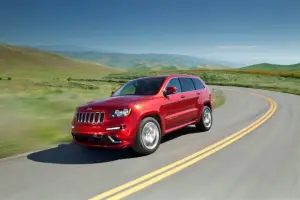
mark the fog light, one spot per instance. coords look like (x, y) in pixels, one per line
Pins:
(123, 127)
(113, 128)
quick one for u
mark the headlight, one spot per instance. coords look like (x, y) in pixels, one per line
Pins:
(120, 113)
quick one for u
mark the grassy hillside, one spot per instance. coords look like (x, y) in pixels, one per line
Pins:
(144, 61)
(26, 62)
(273, 67)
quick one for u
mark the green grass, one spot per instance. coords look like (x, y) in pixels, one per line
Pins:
(218, 97)
(35, 114)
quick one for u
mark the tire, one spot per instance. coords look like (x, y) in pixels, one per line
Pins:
(206, 120)
(141, 146)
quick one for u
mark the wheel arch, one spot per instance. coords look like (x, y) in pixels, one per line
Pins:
(209, 104)
(156, 116)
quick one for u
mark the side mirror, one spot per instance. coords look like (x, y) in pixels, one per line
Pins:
(112, 93)
(171, 90)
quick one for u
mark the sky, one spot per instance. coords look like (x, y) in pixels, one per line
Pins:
(243, 31)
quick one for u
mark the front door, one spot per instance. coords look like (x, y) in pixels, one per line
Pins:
(172, 109)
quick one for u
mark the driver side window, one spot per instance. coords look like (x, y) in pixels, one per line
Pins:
(175, 83)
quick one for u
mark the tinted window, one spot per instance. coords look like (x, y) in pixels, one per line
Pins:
(198, 84)
(187, 84)
(175, 83)
(146, 86)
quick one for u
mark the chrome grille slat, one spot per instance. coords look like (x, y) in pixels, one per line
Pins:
(79, 116)
(101, 117)
(96, 117)
(87, 117)
(83, 117)
(90, 117)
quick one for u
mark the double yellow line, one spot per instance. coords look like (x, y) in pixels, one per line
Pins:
(153, 177)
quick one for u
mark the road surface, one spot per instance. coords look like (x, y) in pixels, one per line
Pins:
(263, 164)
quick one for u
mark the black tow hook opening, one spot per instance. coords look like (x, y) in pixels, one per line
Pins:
(96, 139)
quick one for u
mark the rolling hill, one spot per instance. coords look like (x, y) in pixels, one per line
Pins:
(144, 61)
(18, 61)
(273, 67)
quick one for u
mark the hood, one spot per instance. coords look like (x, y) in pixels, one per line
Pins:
(117, 101)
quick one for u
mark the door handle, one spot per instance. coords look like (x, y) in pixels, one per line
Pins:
(182, 96)
(198, 93)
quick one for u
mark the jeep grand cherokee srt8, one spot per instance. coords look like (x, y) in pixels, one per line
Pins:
(140, 112)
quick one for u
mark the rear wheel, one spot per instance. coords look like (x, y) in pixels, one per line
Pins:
(205, 122)
(148, 136)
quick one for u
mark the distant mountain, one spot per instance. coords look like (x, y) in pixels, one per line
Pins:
(211, 66)
(64, 48)
(145, 61)
(148, 61)
(273, 67)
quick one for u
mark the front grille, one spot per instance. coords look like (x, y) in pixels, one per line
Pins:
(90, 117)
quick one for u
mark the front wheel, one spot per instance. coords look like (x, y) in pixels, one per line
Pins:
(148, 136)
(205, 122)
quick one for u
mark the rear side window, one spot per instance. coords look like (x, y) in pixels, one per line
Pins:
(187, 84)
(198, 84)
(175, 83)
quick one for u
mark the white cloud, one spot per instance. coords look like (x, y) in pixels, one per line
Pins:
(236, 47)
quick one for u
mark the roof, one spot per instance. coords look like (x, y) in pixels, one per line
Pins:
(170, 75)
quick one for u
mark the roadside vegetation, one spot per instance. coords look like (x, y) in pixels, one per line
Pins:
(287, 82)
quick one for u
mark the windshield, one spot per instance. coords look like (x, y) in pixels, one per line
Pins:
(146, 86)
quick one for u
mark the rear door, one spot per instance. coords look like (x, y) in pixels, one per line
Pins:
(172, 108)
(201, 93)
(189, 100)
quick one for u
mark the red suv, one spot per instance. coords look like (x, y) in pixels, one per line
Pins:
(140, 112)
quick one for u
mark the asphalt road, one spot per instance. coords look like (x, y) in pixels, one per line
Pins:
(264, 164)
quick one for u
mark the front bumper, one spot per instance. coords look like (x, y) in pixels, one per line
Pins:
(104, 136)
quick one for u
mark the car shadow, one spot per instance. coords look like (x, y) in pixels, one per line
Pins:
(75, 154)
(179, 133)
